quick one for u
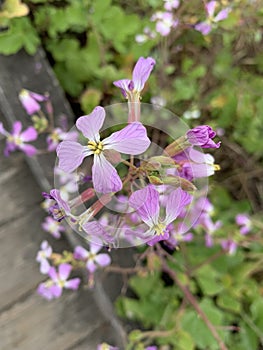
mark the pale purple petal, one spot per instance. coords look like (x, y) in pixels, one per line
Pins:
(30, 104)
(130, 140)
(2, 130)
(56, 291)
(80, 253)
(174, 205)
(223, 14)
(122, 84)
(142, 71)
(210, 8)
(30, 134)
(98, 233)
(91, 266)
(103, 259)
(53, 274)
(242, 219)
(73, 283)
(146, 203)
(104, 176)
(44, 266)
(44, 291)
(95, 248)
(29, 150)
(71, 155)
(17, 127)
(55, 194)
(203, 28)
(64, 271)
(38, 97)
(158, 238)
(91, 124)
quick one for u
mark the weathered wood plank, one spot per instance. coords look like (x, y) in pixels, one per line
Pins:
(60, 324)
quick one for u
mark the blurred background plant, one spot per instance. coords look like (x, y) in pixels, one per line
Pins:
(209, 70)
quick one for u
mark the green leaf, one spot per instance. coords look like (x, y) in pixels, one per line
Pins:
(229, 302)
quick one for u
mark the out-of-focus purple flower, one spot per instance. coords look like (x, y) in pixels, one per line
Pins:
(151, 348)
(206, 26)
(58, 135)
(30, 101)
(42, 257)
(53, 227)
(105, 346)
(60, 209)
(229, 246)
(244, 222)
(202, 136)
(53, 287)
(146, 204)
(131, 89)
(17, 140)
(164, 22)
(169, 5)
(92, 258)
(132, 139)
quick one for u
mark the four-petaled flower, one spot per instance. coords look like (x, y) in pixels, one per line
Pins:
(53, 227)
(206, 26)
(92, 258)
(42, 257)
(202, 136)
(132, 139)
(16, 140)
(146, 203)
(58, 135)
(131, 89)
(53, 287)
(30, 101)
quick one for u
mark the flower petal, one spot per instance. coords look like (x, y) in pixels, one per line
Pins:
(103, 259)
(30, 134)
(44, 266)
(56, 291)
(176, 201)
(91, 124)
(73, 283)
(210, 8)
(17, 127)
(80, 253)
(64, 271)
(29, 150)
(223, 14)
(104, 176)
(71, 155)
(91, 266)
(131, 140)
(123, 84)
(146, 203)
(142, 71)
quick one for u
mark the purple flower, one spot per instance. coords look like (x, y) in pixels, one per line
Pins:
(206, 26)
(60, 209)
(164, 22)
(17, 139)
(58, 135)
(131, 89)
(53, 287)
(244, 222)
(130, 140)
(92, 258)
(202, 136)
(151, 348)
(42, 257)
(146, 204)
(169, 5)
(229, 246)
(30, 101)
(53, 227)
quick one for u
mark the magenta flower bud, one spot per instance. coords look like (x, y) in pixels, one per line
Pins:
(202, 136)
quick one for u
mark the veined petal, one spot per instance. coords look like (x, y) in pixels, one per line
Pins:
(64, 271)
(122, 84)
(91, 124)
(30, 134)
(71, 155)
(175, 202)
(146, 203)
(104, 176)
(17, 127)
(131, 140)
(142, 71)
